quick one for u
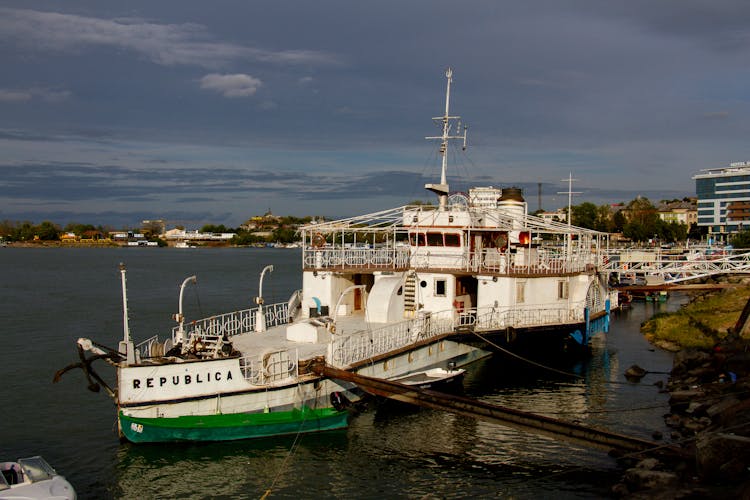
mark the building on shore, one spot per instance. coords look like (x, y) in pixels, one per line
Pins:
(724, 199)
(680, 212)
(187, 235)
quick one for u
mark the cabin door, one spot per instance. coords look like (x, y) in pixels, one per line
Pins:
(362, 279)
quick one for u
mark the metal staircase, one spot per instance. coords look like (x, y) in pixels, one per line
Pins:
(410, 296)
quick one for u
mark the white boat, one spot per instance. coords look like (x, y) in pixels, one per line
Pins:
(33, 478)
(432, 378)
(389, 294)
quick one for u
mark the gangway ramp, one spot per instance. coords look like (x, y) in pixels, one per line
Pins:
(525, 422)
(677, 268)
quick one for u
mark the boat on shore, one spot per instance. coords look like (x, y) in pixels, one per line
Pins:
(398, 294)
(33, 478)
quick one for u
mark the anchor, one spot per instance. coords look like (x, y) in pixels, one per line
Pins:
(94, 380)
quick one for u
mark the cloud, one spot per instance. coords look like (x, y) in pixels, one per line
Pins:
(716, 115)
(49, 95)
(163, 44)
(237, 85)
(14, 95)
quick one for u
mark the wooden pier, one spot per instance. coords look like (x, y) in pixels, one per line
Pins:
(508, 417)
(671, 287)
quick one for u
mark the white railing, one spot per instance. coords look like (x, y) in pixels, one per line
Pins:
(489, 319)
(343, 257)
(270, 368)
(237, 322)
(540, 262)
(346, 350)
(144, 349)
(677, 268)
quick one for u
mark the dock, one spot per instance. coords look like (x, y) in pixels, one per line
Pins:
(560, 430)
(671, 287)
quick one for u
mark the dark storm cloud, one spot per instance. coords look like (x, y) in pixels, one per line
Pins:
(232, 104)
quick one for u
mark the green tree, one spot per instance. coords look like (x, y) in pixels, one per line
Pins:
(618, 222)
(585, 215)
(48, 231)
(741, 239)
(284, 234)
(209, 228)
(643, 220)
(697, 232)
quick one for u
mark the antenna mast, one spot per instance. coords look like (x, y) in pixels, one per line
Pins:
(570, 194)
(447, 122)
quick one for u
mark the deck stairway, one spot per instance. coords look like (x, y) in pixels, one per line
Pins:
(410, 296)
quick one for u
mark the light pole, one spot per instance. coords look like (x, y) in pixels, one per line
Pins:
(260, 318)
(179, 317)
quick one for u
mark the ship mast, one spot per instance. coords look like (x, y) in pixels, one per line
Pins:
(447, 122)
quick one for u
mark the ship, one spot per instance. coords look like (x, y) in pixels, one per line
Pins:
(412, 290)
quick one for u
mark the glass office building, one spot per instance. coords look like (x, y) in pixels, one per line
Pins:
(724, 198)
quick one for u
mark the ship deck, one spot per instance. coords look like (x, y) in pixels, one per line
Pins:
(274, 339)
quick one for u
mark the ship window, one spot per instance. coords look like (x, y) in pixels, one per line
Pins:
(520, 292)
(435, 239)
(562, 289)
(400, 290)
(423, 284)
(452, 240)
(440, 288)
(416, 239)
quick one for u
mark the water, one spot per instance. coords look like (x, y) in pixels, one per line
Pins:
(51, 297)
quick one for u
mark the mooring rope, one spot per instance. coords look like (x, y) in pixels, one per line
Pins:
(549, 368)
(292, 449)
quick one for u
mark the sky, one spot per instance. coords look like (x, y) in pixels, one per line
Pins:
(200, 112)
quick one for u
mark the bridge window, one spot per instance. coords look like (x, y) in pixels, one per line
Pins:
(435, 239)
(452, 240)
(417, 239)
(440, 288)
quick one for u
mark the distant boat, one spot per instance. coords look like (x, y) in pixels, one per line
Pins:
(33, 478)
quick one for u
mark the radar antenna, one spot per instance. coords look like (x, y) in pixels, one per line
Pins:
(446, 121)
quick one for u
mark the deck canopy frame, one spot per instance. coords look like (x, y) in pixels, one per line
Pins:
(386, 229)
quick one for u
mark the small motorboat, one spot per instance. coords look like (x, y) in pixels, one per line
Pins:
(430, 378)
(33, 477)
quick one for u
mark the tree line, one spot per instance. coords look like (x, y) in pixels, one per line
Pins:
(638, 221)
(283, 230)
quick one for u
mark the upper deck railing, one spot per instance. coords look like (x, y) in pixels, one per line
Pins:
(539, 262)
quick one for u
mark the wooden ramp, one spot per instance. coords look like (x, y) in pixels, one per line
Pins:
(508, 417)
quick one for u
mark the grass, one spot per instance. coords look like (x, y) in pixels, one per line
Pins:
(701, 323)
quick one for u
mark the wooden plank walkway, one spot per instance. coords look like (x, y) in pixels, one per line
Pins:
(669, 287)
(508, 417)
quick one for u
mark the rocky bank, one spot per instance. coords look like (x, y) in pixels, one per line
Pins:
(709, 419)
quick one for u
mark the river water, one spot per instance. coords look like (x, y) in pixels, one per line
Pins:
(51, 297)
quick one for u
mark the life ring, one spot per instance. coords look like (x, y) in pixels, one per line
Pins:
(318, 240)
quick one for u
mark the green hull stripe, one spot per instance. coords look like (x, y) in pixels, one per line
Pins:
(231, 426)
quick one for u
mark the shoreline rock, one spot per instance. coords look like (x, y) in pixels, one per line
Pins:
(710, 419)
